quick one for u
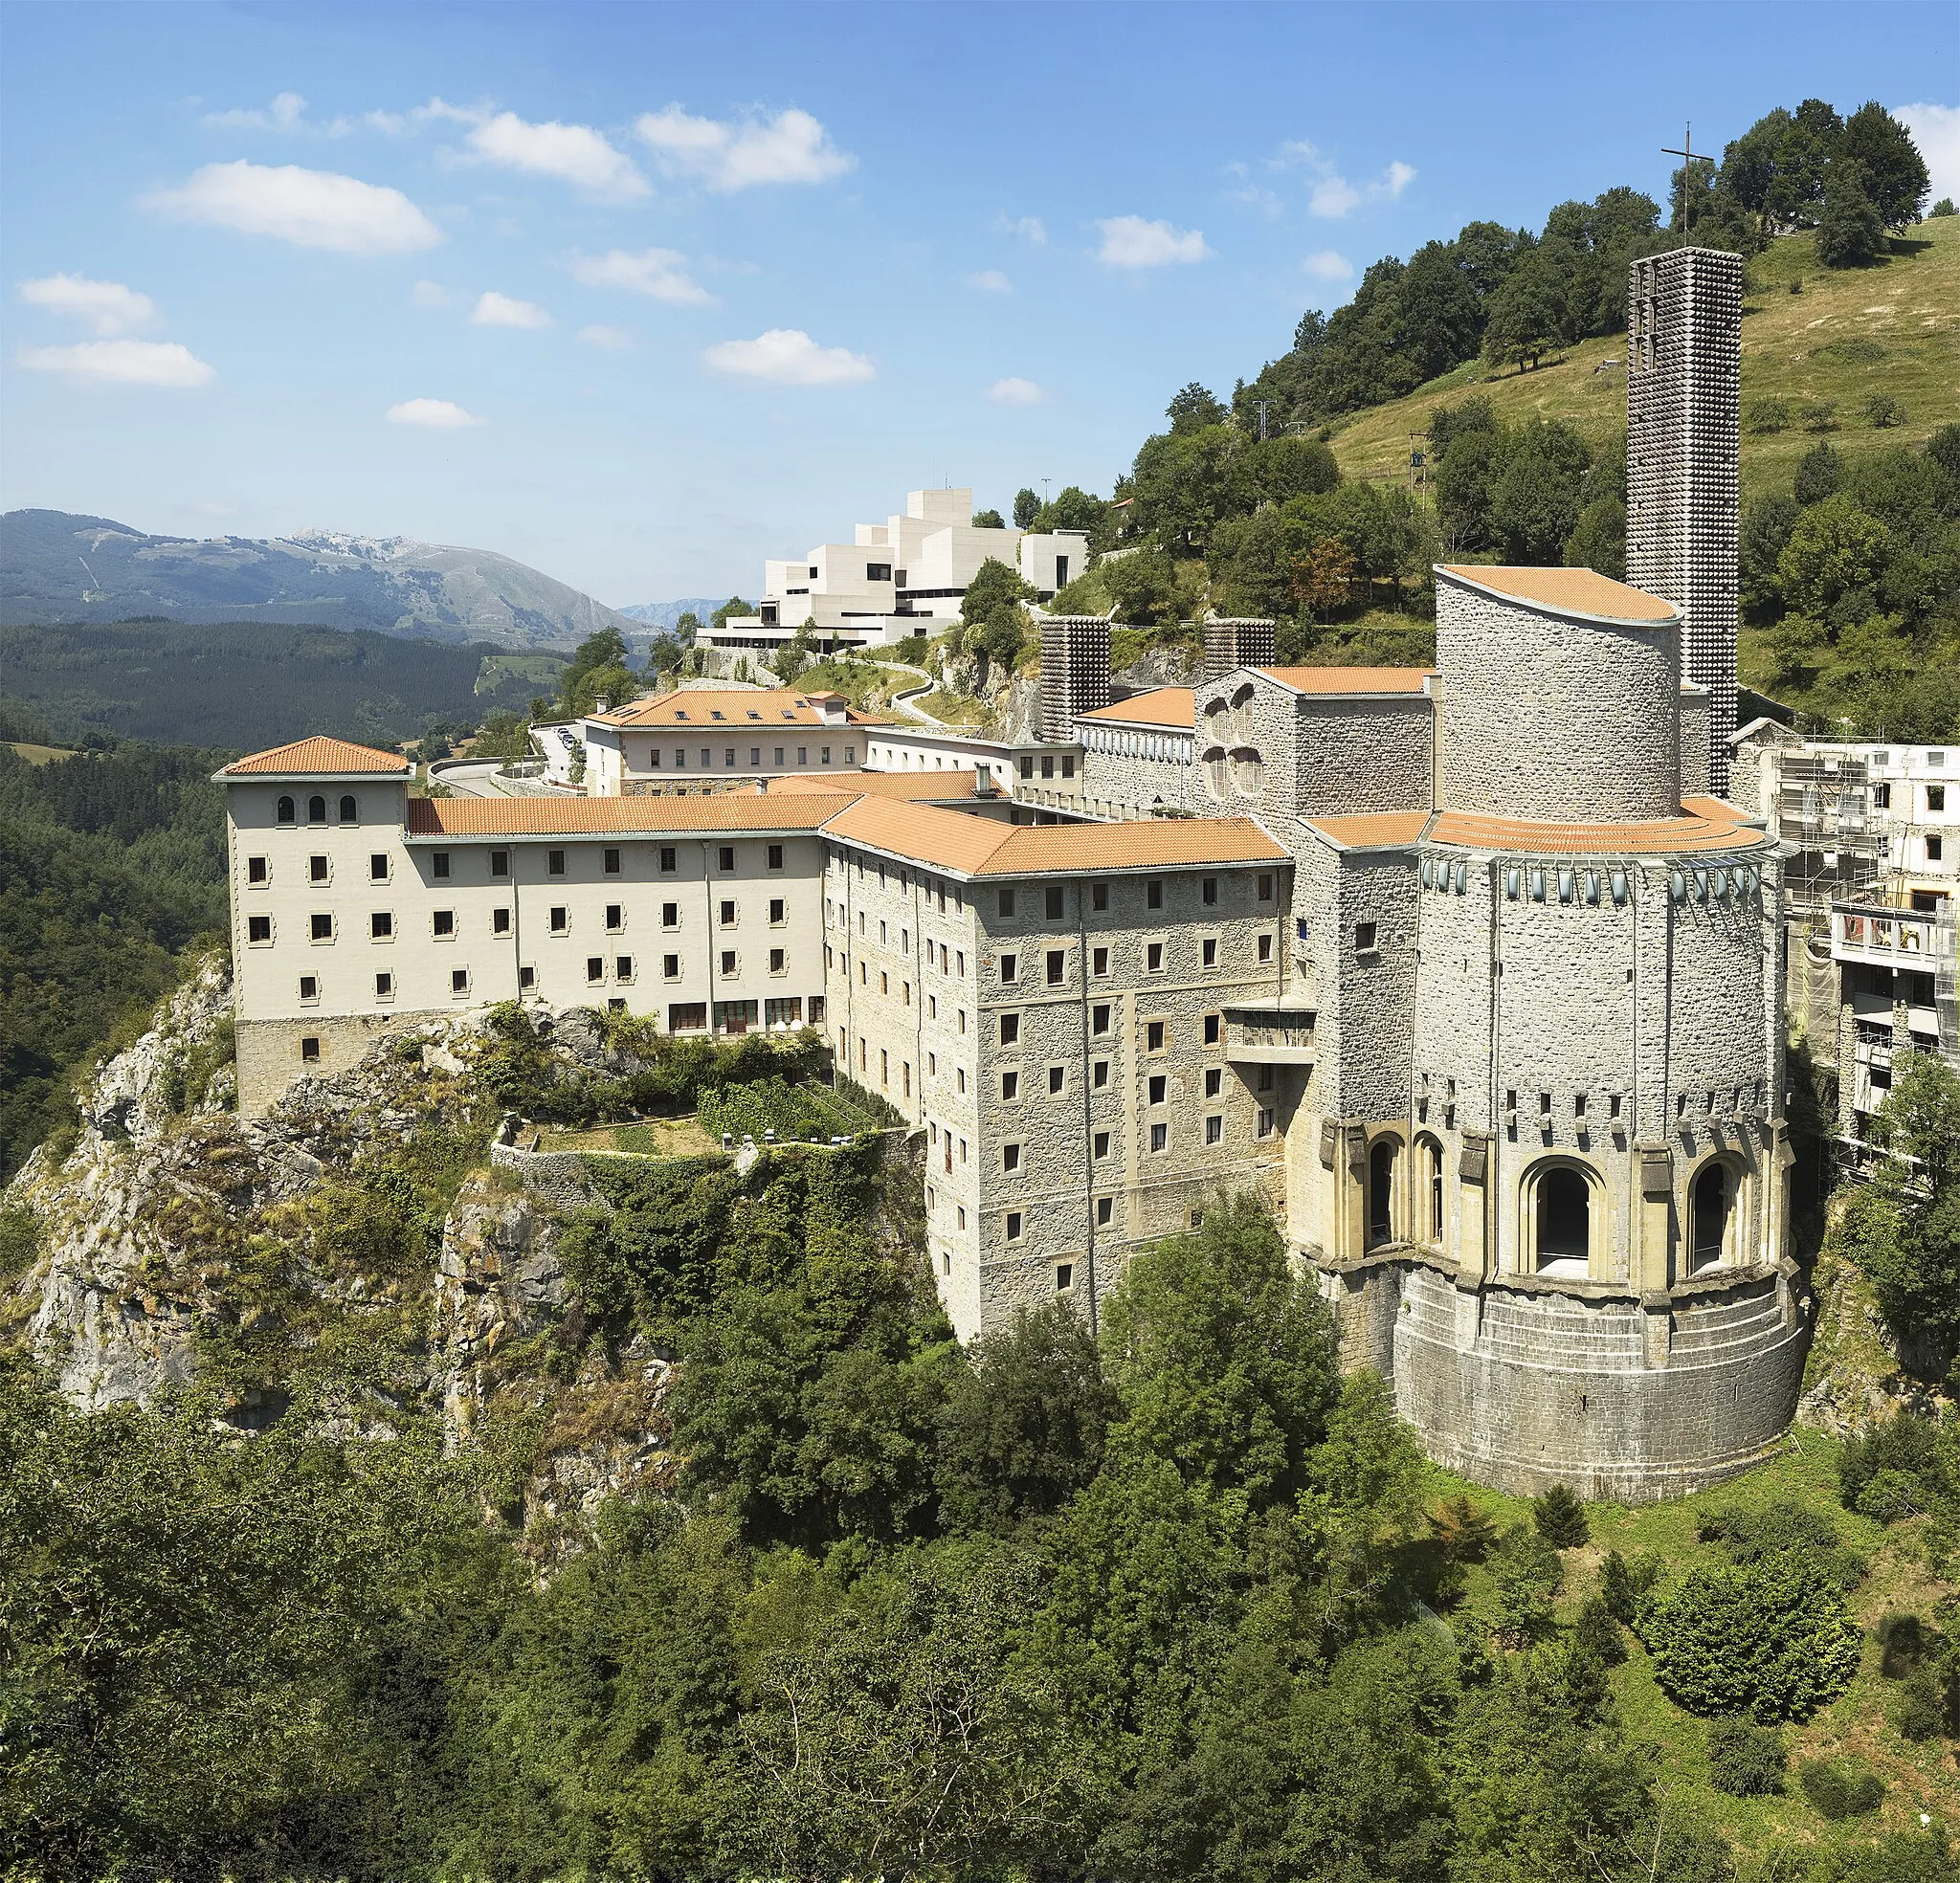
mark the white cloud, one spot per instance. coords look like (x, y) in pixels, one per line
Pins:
(789, 355)
(609, 340)
(1015, 392)
(1333, 195)
(120, 362)
(107, 306)
(434, 414)
(429, 293)
(310, 208)
(286, 112)
(497, 310)
(659, 273)
(573, 153)
(1129, 242)
(790, 147)
(1936, 129)
(1328, 265)
(992, 281)
(1029, 229)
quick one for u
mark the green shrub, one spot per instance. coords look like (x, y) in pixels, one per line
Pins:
(1560, 1518)
(1773, 1639)
(1766, 416)
(1525, 1574)
(1882, 411)
(1821, 415)
(1745, 1759)
(1624, 1584)
(773, 1104)
(1840, 1788)
(1598, 1631)
(1906, 1453)
(1784, 1529)
(1918, 1710)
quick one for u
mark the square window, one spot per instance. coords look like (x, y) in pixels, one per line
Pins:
(1364, 938)
(1935, 850)
(444, 921)
(1265, 888)
(1153, 958)
(1057, 1078)
(1209, 891)
(1010, 1029)
(460, 981)
(1160, 1137)
(500, 863)
(1010, 969)
(622, 967)
(323, 928)
(381, 924)
(595, 967)
(1052, 905)
(728, 964)
(779, 755)
(384, 986)
(1102, 1145)
(1064, 1277)
(1936, 797)
(1010, 1085)
(724, 857)
(1099, 1019)
(1099, 898)
(377, 868)
(1265, 1121)
(1013, 1226)
(670, 915)
(1209, 951)
(256, 870)
(1098, 961)
(309, 1049)
(438, 865)
(777, 959)
(1057, 967)
(1213, 1026)
(1007, 902)
(1214, 1080)
(315, 869)
(727, 913)
(1266, 1078)
(554, 862)
(670, 859)
(1159, 1085)
(1009, 1156)
(309, 986)
(1215, 1129)
(1153, 894)
(610, 864)
(775, 857)
(527, 977)
(561, 921)
(258, 928)
(1265, 948)
(755, 755)
(616, 917)
(1099, 1073)
(669, 966)
(1105, 1212)
(1153, 1036)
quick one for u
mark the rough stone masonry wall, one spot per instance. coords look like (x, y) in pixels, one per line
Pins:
(271, 1052)
(1548, 717)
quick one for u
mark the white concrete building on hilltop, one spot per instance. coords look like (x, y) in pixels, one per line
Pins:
(896, 578)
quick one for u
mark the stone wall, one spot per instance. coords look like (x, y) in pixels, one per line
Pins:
(272, 1053)
(1546, 716)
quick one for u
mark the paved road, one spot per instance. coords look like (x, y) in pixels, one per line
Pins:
(469, 778)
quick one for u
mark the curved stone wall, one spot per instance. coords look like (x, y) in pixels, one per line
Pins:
(1552, 716)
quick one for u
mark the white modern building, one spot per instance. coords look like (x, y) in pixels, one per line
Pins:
(896, 578)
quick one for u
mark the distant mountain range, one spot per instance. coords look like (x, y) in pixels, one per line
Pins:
(664, 614)
(58, 567)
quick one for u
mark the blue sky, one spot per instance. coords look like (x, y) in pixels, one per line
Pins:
(640, 294)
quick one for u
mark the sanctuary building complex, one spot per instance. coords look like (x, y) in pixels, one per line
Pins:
(1466, 968)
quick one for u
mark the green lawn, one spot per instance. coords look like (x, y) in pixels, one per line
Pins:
(1920, 1778)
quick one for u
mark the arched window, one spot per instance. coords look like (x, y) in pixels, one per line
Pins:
(1214, 771)
(348, 812)
(1245, 773)
(316, 810)
(1241, 713)
(1709, 1207)
(1430, 1173)
(286, 811)
(1381, 1191)
(1563, 1221)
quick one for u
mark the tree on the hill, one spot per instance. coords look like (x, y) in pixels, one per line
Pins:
(734, 604)
(1818, 473)
(688, 626)
(1893, 172)
(1026, 504)
(1194, 407)
(1534, 498)
(987, 520)
(1324, 577)
(600, 669)
(1527, 316)
(993, 615)
(1851, 233)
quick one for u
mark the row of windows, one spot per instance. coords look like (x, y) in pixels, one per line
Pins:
(707, 756)
(1054, 961)
(441, 863)
(442, 922)
(598, 967)
(1054, 903)
(1156, 1085)
(287, 811)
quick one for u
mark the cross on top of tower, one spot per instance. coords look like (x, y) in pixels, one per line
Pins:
(1689, 157)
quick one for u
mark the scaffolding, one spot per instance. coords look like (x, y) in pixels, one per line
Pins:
(1824, 809)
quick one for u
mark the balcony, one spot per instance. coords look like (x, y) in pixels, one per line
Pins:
(1274, 1035)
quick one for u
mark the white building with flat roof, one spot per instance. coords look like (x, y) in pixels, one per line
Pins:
(896, 578)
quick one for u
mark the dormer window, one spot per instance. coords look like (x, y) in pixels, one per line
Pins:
(713, 715)
(680, 716)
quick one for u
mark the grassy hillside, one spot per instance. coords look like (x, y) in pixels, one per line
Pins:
(1844, 336)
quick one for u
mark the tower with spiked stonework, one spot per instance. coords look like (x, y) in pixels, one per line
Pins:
(1683, 386)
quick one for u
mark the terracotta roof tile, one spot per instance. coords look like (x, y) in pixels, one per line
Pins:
(540, 817)
(1567, 592)
(1704, 824)
(1373, 829)
(1349, 679)
(1161, 706)
(979, 847)
(920, 786)
(317, 756)
(707, 709)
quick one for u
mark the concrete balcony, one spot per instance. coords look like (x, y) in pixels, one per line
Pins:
(1275, 1035)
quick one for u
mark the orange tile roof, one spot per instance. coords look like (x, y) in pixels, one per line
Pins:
(1567, 592)
(1349, 679)
(707, 708)
(1704, 824)
(543, 817)
(979, 847)
(918, 786)
(1161, 706)
(317, 756)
